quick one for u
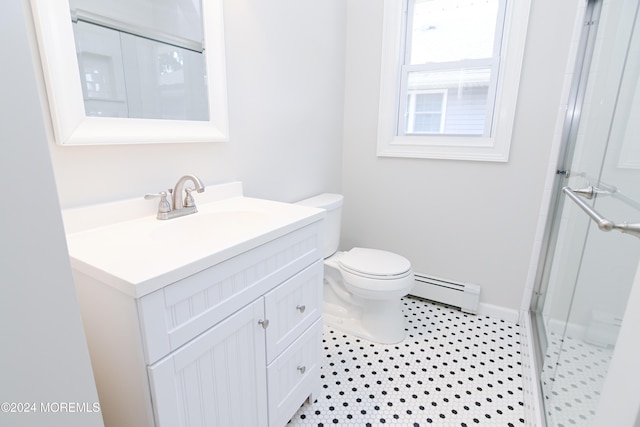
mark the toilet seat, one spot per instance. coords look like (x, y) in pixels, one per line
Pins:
(375, 264)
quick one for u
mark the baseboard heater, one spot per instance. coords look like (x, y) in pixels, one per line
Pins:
(463, 295)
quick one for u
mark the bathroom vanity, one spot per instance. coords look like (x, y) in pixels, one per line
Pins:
(212, 319)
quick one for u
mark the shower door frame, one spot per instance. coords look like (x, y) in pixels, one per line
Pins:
(619, 403)
(567, 146)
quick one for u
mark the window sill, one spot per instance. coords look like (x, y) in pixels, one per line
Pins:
(446, 147)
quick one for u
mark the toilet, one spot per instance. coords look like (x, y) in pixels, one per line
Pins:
(362, 287)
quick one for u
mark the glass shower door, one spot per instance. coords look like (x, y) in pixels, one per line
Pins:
(596, 250)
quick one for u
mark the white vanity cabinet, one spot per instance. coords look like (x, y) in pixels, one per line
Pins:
(220, 377)
(235, 344)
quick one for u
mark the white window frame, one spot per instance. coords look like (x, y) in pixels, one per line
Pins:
(494, 145)
(411, 112)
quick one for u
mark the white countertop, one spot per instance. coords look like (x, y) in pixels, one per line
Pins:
(141, 255)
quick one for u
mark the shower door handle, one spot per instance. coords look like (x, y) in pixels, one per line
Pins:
(603, 223)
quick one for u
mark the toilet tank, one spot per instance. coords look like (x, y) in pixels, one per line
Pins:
(332, 203)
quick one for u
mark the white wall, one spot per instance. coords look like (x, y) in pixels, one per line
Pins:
(466, 221)
(44, 357)
(285, 66)
(286, 74)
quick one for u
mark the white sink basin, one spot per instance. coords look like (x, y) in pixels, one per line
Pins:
(208, 225)
(141, 255)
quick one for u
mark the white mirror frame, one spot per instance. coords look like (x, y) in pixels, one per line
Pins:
(71, 126)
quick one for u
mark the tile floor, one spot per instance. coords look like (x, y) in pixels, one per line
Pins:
(453, 369)
(572, 378)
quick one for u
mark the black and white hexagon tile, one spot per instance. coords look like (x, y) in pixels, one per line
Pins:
(572, 378)
(452, 369)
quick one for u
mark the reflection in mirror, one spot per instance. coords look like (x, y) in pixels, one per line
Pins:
(124, 75)
(133, 71)
(141, 59)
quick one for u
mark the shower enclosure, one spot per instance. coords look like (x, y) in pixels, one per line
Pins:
(586, 301)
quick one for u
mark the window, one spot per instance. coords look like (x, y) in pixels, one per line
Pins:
(453, 46)
(425, 111)
(450, 70)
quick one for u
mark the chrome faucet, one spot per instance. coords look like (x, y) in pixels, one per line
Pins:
(178, 206)
(176, 193)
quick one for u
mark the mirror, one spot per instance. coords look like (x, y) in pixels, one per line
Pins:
(141, 58)
(110, 115)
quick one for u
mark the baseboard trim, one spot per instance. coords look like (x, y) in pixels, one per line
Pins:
(498, 312)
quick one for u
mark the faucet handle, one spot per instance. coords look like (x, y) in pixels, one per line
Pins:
(163, 206)
(188, 199)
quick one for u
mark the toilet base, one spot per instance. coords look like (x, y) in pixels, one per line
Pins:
(378, 321)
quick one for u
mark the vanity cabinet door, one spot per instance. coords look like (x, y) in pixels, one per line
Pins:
(218, 379)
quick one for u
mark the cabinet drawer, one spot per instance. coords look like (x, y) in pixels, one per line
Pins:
(294, 376)
(292, 307)
(172, 316)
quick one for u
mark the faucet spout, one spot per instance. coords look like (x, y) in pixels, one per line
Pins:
(177, 201)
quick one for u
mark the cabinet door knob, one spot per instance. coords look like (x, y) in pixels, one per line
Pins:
(264, 323)
(301, 308)
(302, 369)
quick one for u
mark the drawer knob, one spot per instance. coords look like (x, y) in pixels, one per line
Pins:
(301, 308)
(302, 369)
(264, 323)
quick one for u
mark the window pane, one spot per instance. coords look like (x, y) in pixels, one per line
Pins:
(466, 94)
(452, 30)
(426, 123)
(429, 102)
(424, 112)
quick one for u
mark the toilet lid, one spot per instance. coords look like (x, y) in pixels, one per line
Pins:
(373, 262)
